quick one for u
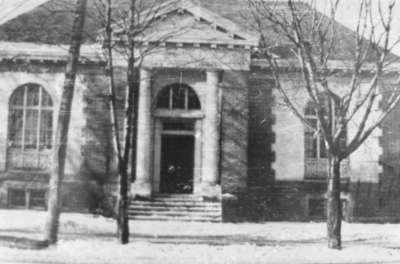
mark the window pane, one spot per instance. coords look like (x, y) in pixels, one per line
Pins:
(37, 199)
(313, 122)
(18, 97)
(31, 123)
(16, 197)
(182, 96)
(46, 129)
(310, 110)
(322, 149)
(32, 95)
(163, 99)
(315, 147)
(15, 133)
(309, 145)
(46, 99)
(316, 208)
(178, 97)
(193, 101)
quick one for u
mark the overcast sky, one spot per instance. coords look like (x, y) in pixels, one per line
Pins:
(347, 13)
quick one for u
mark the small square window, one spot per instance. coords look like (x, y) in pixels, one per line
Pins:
(37, 199)
(316, 207)
(16, 198)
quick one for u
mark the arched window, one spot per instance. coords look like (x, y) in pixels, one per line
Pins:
(314, 142)
(30, 128)
(178, 96)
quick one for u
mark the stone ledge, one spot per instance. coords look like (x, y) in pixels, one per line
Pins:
(141, 190)
(211, 192)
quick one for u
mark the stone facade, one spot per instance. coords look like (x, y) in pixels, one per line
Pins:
(246, 148)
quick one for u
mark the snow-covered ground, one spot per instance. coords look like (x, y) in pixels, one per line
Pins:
(89, 239)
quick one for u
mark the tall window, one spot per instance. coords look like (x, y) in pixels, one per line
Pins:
(30, 129)
(178, 96)
(314, 142)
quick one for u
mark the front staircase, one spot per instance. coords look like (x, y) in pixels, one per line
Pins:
(175, 207)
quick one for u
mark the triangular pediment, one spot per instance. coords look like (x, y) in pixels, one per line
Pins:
(184, 22)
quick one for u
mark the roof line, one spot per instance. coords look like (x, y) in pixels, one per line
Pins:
(206, 15)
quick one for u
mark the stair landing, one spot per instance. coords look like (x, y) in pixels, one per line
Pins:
(175, 207)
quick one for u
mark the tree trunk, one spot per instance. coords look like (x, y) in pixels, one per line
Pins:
(334, 206)
(123, 144)
(60, 144)
(123, 202)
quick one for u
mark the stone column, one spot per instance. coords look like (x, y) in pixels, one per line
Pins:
(142, 185)
(211, 138)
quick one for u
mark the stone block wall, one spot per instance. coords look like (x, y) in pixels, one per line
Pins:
(234, 132)
(261, 134)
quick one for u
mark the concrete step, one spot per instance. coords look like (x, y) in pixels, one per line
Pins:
(175, 203)
(177, 195)
(170, 218)
(176, 213)
(174, 208)
(177, 199)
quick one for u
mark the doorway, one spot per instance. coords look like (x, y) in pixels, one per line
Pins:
(177, 163)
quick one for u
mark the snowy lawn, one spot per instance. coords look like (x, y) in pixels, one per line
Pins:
(89, 239)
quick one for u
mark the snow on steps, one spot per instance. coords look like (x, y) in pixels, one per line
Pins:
(176, 207)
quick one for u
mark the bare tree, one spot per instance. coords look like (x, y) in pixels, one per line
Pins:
(126, 35)
(313, 40)
(60, 149)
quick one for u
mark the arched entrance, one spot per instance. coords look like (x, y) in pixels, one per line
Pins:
(177, 139)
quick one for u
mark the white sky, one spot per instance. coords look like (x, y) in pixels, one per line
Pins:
(347, 13)
(13, 8)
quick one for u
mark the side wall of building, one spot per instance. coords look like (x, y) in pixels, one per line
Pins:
(278, 185)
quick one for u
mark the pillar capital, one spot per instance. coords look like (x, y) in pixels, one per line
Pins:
(214, 76)
(146, 71)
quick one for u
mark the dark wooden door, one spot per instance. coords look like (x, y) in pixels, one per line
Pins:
(177, 162)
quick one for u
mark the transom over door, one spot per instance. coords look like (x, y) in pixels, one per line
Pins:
(30, 129)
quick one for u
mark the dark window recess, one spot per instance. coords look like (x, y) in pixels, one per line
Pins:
(178, 96)
(163, 99)
(20, 198)
(193, 101)
(16, 197)
(30, 129)
(37, 199)
(28, 112)
(316, 207)
(178, 126)
(344, 209)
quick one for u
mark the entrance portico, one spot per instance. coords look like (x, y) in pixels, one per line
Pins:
(179, 118)
(178, 146)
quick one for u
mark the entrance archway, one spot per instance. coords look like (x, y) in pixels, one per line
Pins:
(177, 140)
